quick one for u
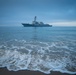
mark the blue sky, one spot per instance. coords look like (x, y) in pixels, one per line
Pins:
(56, 12)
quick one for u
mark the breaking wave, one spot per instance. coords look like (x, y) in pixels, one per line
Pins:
(42, 56)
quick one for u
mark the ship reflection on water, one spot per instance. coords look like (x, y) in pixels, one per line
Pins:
(35, 36)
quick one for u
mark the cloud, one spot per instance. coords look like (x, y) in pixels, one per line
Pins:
(72, 23)
(55, 11)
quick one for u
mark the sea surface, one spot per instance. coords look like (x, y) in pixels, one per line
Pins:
(41, 49)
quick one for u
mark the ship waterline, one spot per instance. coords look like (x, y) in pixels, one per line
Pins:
(32, 25)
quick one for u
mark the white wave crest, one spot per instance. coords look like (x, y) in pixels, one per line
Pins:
(42, 56)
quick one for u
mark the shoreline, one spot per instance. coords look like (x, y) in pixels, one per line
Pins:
(5, 71)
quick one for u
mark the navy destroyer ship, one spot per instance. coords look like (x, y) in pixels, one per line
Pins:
(36, 24)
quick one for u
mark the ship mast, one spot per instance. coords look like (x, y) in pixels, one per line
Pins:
(34, 22)
(35, 19)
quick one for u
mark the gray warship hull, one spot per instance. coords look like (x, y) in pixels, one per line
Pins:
(33, 25)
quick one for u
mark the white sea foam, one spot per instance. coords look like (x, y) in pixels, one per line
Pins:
(41, 56)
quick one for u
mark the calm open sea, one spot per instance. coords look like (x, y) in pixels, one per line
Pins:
(44, 49)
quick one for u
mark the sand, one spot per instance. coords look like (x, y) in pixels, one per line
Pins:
(4, 71)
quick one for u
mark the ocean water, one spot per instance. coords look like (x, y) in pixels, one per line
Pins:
(42, 49)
